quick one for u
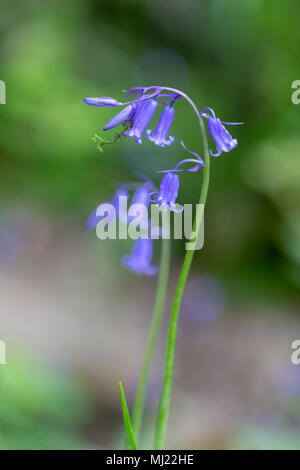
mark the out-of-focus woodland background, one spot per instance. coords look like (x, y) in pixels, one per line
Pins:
(74, 321)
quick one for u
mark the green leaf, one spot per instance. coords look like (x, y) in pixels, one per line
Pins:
(127, 420)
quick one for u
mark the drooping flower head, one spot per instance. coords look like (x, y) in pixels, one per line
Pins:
(160, 134)
(143, 114)
(142, 106)
(169, 186)
(221, 136)
(139, 111)
(139, 261)
(168, 191)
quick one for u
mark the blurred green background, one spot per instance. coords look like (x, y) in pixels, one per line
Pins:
(74, 321)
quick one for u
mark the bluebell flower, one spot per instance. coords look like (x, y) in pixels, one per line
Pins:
(140, 196)
(221, 136)
(169, 186)
(93, 219)
(104, 101)
(138, 113)
(142, 94)
(160, 134)
(143, 114)
(168, 191)
(139, 261)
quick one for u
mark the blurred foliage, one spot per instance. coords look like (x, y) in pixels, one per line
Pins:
(40, 408)
(260, 438)
(239, 58)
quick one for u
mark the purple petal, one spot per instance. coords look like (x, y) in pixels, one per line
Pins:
(139, 261)
(160, 134)
(104, 101)
(141, 118)
(168, 190)
(118, 118)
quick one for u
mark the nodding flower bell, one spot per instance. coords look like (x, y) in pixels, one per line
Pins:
(142, 115)
(139, 111)
(221, 136)
(169, 185)
(139, 261)
(168, 191)
(104, 101)
(160, 134)
(141, 107)
(93, 219)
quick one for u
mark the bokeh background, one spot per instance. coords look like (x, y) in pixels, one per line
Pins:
(74, 321)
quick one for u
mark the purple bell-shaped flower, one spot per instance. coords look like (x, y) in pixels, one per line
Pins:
(143, 114)
(139, 261)
(160, 135)
(168, 191)
(221, 136)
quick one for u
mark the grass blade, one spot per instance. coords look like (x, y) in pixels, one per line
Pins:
(127, 420)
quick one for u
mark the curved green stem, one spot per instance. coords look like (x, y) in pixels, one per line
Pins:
(164, 406)
(139, 403)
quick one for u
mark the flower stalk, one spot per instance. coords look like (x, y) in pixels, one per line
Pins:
(134, 119)
(139, 403)
(164, 405)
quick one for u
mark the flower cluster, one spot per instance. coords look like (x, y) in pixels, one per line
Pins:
(139, 261)
(139, 107)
